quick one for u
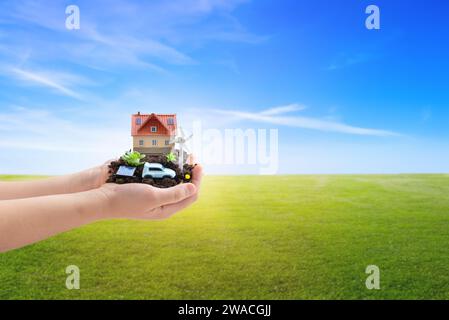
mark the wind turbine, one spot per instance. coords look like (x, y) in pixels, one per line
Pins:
(180, 139)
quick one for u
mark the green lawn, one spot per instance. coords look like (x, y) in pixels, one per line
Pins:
(252, 237)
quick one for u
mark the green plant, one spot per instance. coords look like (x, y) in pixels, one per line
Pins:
(171, 157)
(132, 158)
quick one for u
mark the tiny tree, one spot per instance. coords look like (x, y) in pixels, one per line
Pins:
(132, 158)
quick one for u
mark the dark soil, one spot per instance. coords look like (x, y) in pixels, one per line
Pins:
(159, 183)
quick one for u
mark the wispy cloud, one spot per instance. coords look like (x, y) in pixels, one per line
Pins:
(283, 109)
(52, 80)
(272, 116)
(125, 49)
(347, 60)
(111, 36)
(57, 142)
(43, 130)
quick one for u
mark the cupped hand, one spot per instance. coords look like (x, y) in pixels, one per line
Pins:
(142, 201)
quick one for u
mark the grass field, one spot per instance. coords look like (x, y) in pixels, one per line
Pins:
(284, 237)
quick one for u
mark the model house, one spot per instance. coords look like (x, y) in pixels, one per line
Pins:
(152, 133)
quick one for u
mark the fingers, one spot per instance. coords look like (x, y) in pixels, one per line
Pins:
(109, 161)
(166, 211)
(175, 194)
(197, 175)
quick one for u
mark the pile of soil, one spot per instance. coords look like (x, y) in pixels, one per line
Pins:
(159, 183)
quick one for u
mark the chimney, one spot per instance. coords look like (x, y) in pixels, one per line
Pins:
(138, 113)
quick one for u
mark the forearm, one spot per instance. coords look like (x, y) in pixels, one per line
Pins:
(26, 221)
(78, 182)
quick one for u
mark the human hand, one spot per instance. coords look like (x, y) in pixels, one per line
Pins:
(86, 180)
(89, 179)
(142, 201)
(38, 210)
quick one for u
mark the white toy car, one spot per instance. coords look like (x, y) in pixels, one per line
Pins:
(157, 171)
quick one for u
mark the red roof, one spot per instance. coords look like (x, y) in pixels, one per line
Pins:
(141, 124)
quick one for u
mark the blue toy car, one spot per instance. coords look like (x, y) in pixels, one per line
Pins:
(157, 171)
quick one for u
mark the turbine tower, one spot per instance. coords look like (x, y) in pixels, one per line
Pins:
(180, 140)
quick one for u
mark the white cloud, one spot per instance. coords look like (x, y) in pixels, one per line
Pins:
(345, 60)
(272, 116)
(283, 109)
(54, 80)
(200, 6)
(28, 129)
(127, 33)
(149, 47)
(39, 141)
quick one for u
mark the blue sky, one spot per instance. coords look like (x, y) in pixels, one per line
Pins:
(352, 100)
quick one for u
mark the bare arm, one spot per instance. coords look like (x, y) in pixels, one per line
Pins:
(77, 182)
(25, 221)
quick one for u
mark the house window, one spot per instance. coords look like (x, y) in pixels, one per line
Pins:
(170, 121)
(140, 142)
(167, 142)
(138, 121)
(154, 142)
(153, 129)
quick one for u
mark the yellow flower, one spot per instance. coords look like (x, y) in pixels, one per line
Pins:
(187, 176)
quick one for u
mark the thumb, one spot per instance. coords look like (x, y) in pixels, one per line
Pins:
(175, 194)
